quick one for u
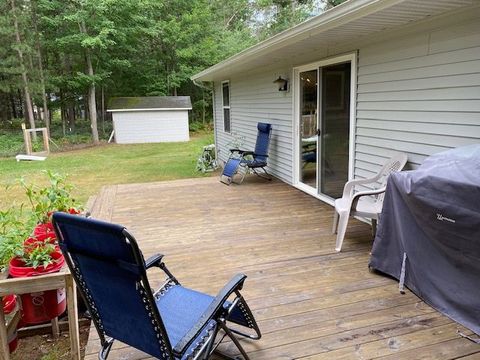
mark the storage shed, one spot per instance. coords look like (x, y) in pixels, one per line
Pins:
(150, 119)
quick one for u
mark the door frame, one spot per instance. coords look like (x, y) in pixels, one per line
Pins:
(352, 58)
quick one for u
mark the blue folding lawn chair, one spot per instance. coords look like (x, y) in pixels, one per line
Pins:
(242, 160)
(174, 323)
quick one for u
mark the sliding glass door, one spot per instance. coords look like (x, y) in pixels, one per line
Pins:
(324, 128)
(335, 128)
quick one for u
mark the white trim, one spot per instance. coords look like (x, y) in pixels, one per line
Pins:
(313, 192)
(333, 18)
(352, 58)
(353, 114)
(227, 107)
(151, 109)
(214, 116)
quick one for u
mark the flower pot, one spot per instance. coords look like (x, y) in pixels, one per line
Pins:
(40, 307)
(44, 232)
(13, 342)
(9, 303)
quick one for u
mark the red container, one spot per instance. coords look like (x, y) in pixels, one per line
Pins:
(40, 307)
(13, 342)
(43, 232)
(9, 304)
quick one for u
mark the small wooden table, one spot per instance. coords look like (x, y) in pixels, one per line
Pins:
(58, 280)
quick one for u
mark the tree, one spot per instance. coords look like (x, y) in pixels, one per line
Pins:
(66, 54)
(19, 48)
(38, 47)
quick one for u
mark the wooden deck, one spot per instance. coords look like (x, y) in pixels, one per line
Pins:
(310, 302)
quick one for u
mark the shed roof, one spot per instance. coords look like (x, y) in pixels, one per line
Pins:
(149, 103)
(345, 24)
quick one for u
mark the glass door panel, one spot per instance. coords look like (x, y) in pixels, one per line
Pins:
(308, 127)
(335, 128)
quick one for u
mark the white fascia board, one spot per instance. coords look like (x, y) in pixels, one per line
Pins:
(335, 17)
(156, 109)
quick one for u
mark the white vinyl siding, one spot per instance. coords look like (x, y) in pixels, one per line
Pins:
(418, 91)
(255, 98)
(418, 94)
(150, 126)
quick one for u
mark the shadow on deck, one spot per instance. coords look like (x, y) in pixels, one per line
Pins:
(310, 302)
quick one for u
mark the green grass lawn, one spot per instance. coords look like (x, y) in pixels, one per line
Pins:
(91, 168)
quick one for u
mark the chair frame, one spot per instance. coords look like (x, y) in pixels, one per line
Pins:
(340, 221)
(241, 156)
(215, 311)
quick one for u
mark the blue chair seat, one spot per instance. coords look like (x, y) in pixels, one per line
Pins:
(181, 309)
(231, 167)
(255, 163)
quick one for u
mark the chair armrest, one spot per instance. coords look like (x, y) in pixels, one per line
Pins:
(235, 284)
(369, 192)
(349, 186)
(154, 260)
(358, 195)
(246, 153)
(238, 151)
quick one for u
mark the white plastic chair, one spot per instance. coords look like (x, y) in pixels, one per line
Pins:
(367, 204)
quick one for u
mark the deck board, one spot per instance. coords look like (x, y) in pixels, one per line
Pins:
(310, 302)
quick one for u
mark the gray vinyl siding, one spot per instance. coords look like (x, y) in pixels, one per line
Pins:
(255, 98)
(418, 94)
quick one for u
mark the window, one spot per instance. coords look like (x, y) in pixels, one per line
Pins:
(226, 105)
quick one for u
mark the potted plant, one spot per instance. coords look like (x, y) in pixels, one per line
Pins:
(39, 258)
(56, 196)
(15, 227)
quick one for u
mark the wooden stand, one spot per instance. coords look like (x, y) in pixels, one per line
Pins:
(61, 279)
(27, 136)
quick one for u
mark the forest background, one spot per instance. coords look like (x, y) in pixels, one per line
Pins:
(62, 60)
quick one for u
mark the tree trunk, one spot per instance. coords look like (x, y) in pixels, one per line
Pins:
(13, 106)
(92, 106)
(46, 116)
(62, 110)
(92, 103)
(71, 117)
(28, 99)
(203, 106)
(21, 106)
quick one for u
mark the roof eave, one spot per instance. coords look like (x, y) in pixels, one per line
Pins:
(341, 14)
(153, 109)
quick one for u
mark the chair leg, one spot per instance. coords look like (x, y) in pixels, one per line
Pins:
(105, 350)
(335, 221)
(267, 176)
(374, 227)
(342, 229)
(235, 340)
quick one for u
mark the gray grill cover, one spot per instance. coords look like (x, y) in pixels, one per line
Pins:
(433, 216)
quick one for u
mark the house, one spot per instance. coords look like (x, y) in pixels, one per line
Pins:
(352, 85)
(150, 119)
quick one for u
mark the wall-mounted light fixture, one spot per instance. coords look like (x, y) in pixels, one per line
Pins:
(282, 84)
